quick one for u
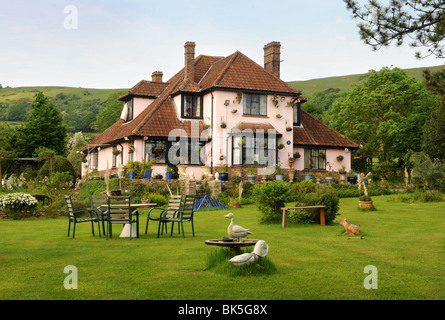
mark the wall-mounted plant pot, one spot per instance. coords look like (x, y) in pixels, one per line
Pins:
(223, 125)
(279, 116)
(234, 111)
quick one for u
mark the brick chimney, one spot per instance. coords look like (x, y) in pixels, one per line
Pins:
(189, 70)
(272, 58)
(156, 76)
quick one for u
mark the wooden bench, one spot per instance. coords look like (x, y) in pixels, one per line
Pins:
(321, 210)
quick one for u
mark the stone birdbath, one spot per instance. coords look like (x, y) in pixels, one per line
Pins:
(233, 244)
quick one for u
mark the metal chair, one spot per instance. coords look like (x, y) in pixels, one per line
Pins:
(119, 212)
(173, 205)
(73, 213)
(97, 203)
(184, 214)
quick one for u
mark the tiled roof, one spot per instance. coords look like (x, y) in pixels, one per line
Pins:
(314, 132)
(145, 88)
(239, 72)
(235, 72)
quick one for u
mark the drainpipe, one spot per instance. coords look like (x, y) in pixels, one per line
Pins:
(211, 142)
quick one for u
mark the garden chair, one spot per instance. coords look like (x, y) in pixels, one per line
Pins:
(119, 212)
(173, 205)
(97, 203)
(73, 214)
(184, 214)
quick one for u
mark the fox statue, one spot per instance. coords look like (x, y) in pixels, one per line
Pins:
(350, 228)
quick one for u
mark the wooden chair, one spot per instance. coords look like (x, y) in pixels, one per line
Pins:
(119, 212)
(73, 214)
(173, 205)
(184, 214)
(96, 204)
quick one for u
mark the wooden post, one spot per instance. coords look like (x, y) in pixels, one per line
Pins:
(283, 224)
(322, 218)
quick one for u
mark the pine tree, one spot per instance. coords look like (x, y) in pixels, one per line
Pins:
(44, 128)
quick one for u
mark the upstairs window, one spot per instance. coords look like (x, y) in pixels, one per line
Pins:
(255, 104)
(127, 111)
(191, 107)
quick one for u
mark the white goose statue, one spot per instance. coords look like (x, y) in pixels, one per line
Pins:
(235, 231)
(261, 249)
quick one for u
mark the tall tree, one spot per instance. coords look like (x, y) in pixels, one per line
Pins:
(387, 113)
(44, 128)
(422, 21)
(434, 134)
(110, 113)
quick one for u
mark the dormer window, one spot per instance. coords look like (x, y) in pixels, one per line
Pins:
(191, 106)
(127, 111)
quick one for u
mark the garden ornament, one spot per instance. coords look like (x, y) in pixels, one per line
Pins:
(261, 249)
(350, 228)
(235, 231)
(361, 182)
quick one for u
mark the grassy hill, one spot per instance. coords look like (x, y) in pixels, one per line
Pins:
(11, 95)
(309, 87)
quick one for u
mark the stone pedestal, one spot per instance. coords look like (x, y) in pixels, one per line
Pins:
(215, 187)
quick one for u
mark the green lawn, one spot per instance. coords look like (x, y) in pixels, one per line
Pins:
(405, 242)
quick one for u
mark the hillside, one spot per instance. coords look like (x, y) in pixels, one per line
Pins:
(309, 87)
(12, 95)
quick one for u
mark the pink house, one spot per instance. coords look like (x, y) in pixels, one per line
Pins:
(220, 110)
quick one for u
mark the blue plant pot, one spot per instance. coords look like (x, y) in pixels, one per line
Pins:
(329, 180)
(279, 177)
(223, 176)
(307, 177)
(168, 175)
(251, 177)
(131, 175)
(352, 180)
(146, 174)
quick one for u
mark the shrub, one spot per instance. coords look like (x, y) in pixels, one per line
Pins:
(270, 198)
(299, 216)
(15, 203)
(322, 197)
(60, 164)
(159, 199)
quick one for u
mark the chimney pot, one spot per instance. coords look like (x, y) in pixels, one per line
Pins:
(189, 60)
(156, 76)
(272, 58)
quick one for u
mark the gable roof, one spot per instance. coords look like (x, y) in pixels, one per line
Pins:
(314, 132)
(144, 88)
(234, 72)
(237, 71)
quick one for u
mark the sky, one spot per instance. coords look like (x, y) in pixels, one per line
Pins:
(116, 43)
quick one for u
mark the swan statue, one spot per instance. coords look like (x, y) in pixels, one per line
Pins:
(235, 231)
(261, 249)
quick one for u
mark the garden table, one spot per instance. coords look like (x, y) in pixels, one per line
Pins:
(127, 227)
(321, 211)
